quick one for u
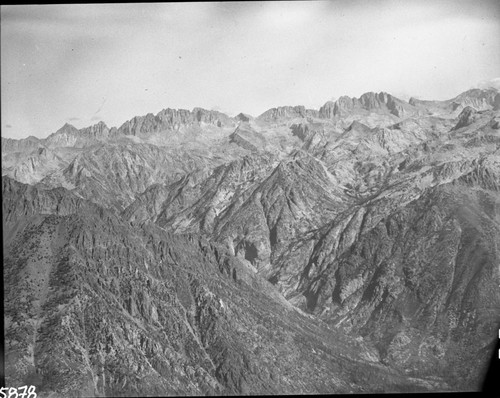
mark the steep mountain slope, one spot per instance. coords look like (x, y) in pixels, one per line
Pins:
(422, 283)
(113, 174)
(173, 119)
(368, 103)
(284, 113)
(255, 205)
(169, 128)
(352, 248)
(70, 136)
(199, 199)
(137, 311)
(248, 138)
(31, 167)
(25, 144)
(296, 197)
(414, 267)
(478, 99)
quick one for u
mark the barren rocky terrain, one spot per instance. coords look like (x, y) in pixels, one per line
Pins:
(352, 248)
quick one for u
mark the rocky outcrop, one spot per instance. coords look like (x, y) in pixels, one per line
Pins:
(97, 132)
(243, 117)
(287, 112)
(30, 167)
(371, 102)
(172, 119)
(247, 138)
(67, 135)
(23, 145)
(359, 127)
(477, 99)
(297, 197)
(466, 118)
(22, 200)
(197, 201)
(113, 175)
(70, 136)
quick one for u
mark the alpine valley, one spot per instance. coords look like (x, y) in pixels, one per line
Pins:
(350, 249)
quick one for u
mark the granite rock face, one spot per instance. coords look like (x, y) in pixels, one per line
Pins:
(480, 100)
(32, 166)
(70, 136)
(367, 102)
(172, 119)
(26, 144)
(349, 249)
(287, 112)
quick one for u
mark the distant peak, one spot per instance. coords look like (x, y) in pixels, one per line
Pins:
(244, 117)
(198, 109)
(66, 127)
(98, 126)
(285, 112)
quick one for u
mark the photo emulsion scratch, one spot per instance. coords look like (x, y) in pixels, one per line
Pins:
(244, 198)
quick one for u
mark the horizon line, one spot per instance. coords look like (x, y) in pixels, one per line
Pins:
(229, 114)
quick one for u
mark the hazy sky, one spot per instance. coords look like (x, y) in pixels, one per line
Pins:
(85, 63)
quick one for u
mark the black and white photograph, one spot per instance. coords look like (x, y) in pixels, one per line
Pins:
(250, 198)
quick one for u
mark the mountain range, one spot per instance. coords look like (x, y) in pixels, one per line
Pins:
(348, 249)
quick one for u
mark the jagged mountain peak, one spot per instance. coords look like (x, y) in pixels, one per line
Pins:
(479, 99)
(283, 111)
(172, 120)
(66, 128)
(381, 96)
(69, 136)
(286, 112)
(244, 117)
(24, 144)
(478, 92)
(367, 102)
